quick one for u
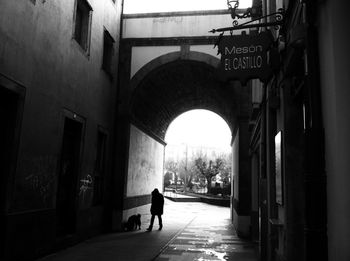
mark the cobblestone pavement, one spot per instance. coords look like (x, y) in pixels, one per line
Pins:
(209, 236)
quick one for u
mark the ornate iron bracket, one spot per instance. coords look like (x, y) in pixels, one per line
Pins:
(250, 24)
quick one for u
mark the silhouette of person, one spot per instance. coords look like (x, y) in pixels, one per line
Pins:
(156, 209)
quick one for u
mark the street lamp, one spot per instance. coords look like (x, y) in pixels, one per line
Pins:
(253, 11)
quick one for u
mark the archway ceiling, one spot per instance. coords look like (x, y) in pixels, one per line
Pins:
(177, 87)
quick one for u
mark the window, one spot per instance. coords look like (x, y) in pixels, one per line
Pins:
(82, 24)
(108, 51)
(99, 166)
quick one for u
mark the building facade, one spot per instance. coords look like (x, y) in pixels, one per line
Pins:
(299, 146)
(58, 67)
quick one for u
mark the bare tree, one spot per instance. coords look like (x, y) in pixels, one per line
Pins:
(188, 171)
(172, 166)
(209, 169)
(225, 172)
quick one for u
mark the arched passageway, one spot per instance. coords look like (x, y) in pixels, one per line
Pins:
(177, 87)
(162, 90)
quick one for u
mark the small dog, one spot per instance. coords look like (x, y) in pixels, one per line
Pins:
(134, 222)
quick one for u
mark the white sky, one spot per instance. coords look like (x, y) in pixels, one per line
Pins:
(199, 128)
(152, 6)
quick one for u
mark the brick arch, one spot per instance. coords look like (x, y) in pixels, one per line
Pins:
(170, 57)
(173, 84)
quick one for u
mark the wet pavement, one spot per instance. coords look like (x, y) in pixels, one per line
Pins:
(192, 231)
(209, 236)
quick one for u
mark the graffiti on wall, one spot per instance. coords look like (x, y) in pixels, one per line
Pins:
(39, 178)
(163, 20)
(85, 185)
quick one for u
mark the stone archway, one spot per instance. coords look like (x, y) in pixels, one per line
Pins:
(179, 86)
(159, 92)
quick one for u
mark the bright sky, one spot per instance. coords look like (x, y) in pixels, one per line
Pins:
(152, 6)
(199, 128)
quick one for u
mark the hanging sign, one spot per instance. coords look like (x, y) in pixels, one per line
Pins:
(245, 57)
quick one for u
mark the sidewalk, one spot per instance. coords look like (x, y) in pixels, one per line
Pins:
(193, 197)
(178, 197)
(191, 231)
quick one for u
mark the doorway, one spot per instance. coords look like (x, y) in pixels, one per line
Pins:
(67, 180)
(9, 101)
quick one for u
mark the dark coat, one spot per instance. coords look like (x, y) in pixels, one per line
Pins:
(157, 203)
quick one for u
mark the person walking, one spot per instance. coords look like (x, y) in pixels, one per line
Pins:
(156, 209)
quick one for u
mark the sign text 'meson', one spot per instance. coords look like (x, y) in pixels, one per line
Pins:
(244, 57)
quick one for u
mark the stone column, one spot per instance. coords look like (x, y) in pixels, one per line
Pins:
(242, 179)
(122, 136)
(292, 173)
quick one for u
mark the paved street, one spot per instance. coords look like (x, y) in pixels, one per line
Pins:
(209, 236)
(192, 231)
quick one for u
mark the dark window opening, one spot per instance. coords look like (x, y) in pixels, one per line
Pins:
(82, 24)
(108, 52)
(100, 167)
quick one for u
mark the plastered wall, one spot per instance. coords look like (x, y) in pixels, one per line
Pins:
(146, 160)
(141, 55)
(37, 50)
(173, 26)
(164, 26)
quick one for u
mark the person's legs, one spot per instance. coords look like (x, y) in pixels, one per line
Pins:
(151, 225)
(160, 221)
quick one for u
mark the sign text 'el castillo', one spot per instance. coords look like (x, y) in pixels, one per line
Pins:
(244, 57)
